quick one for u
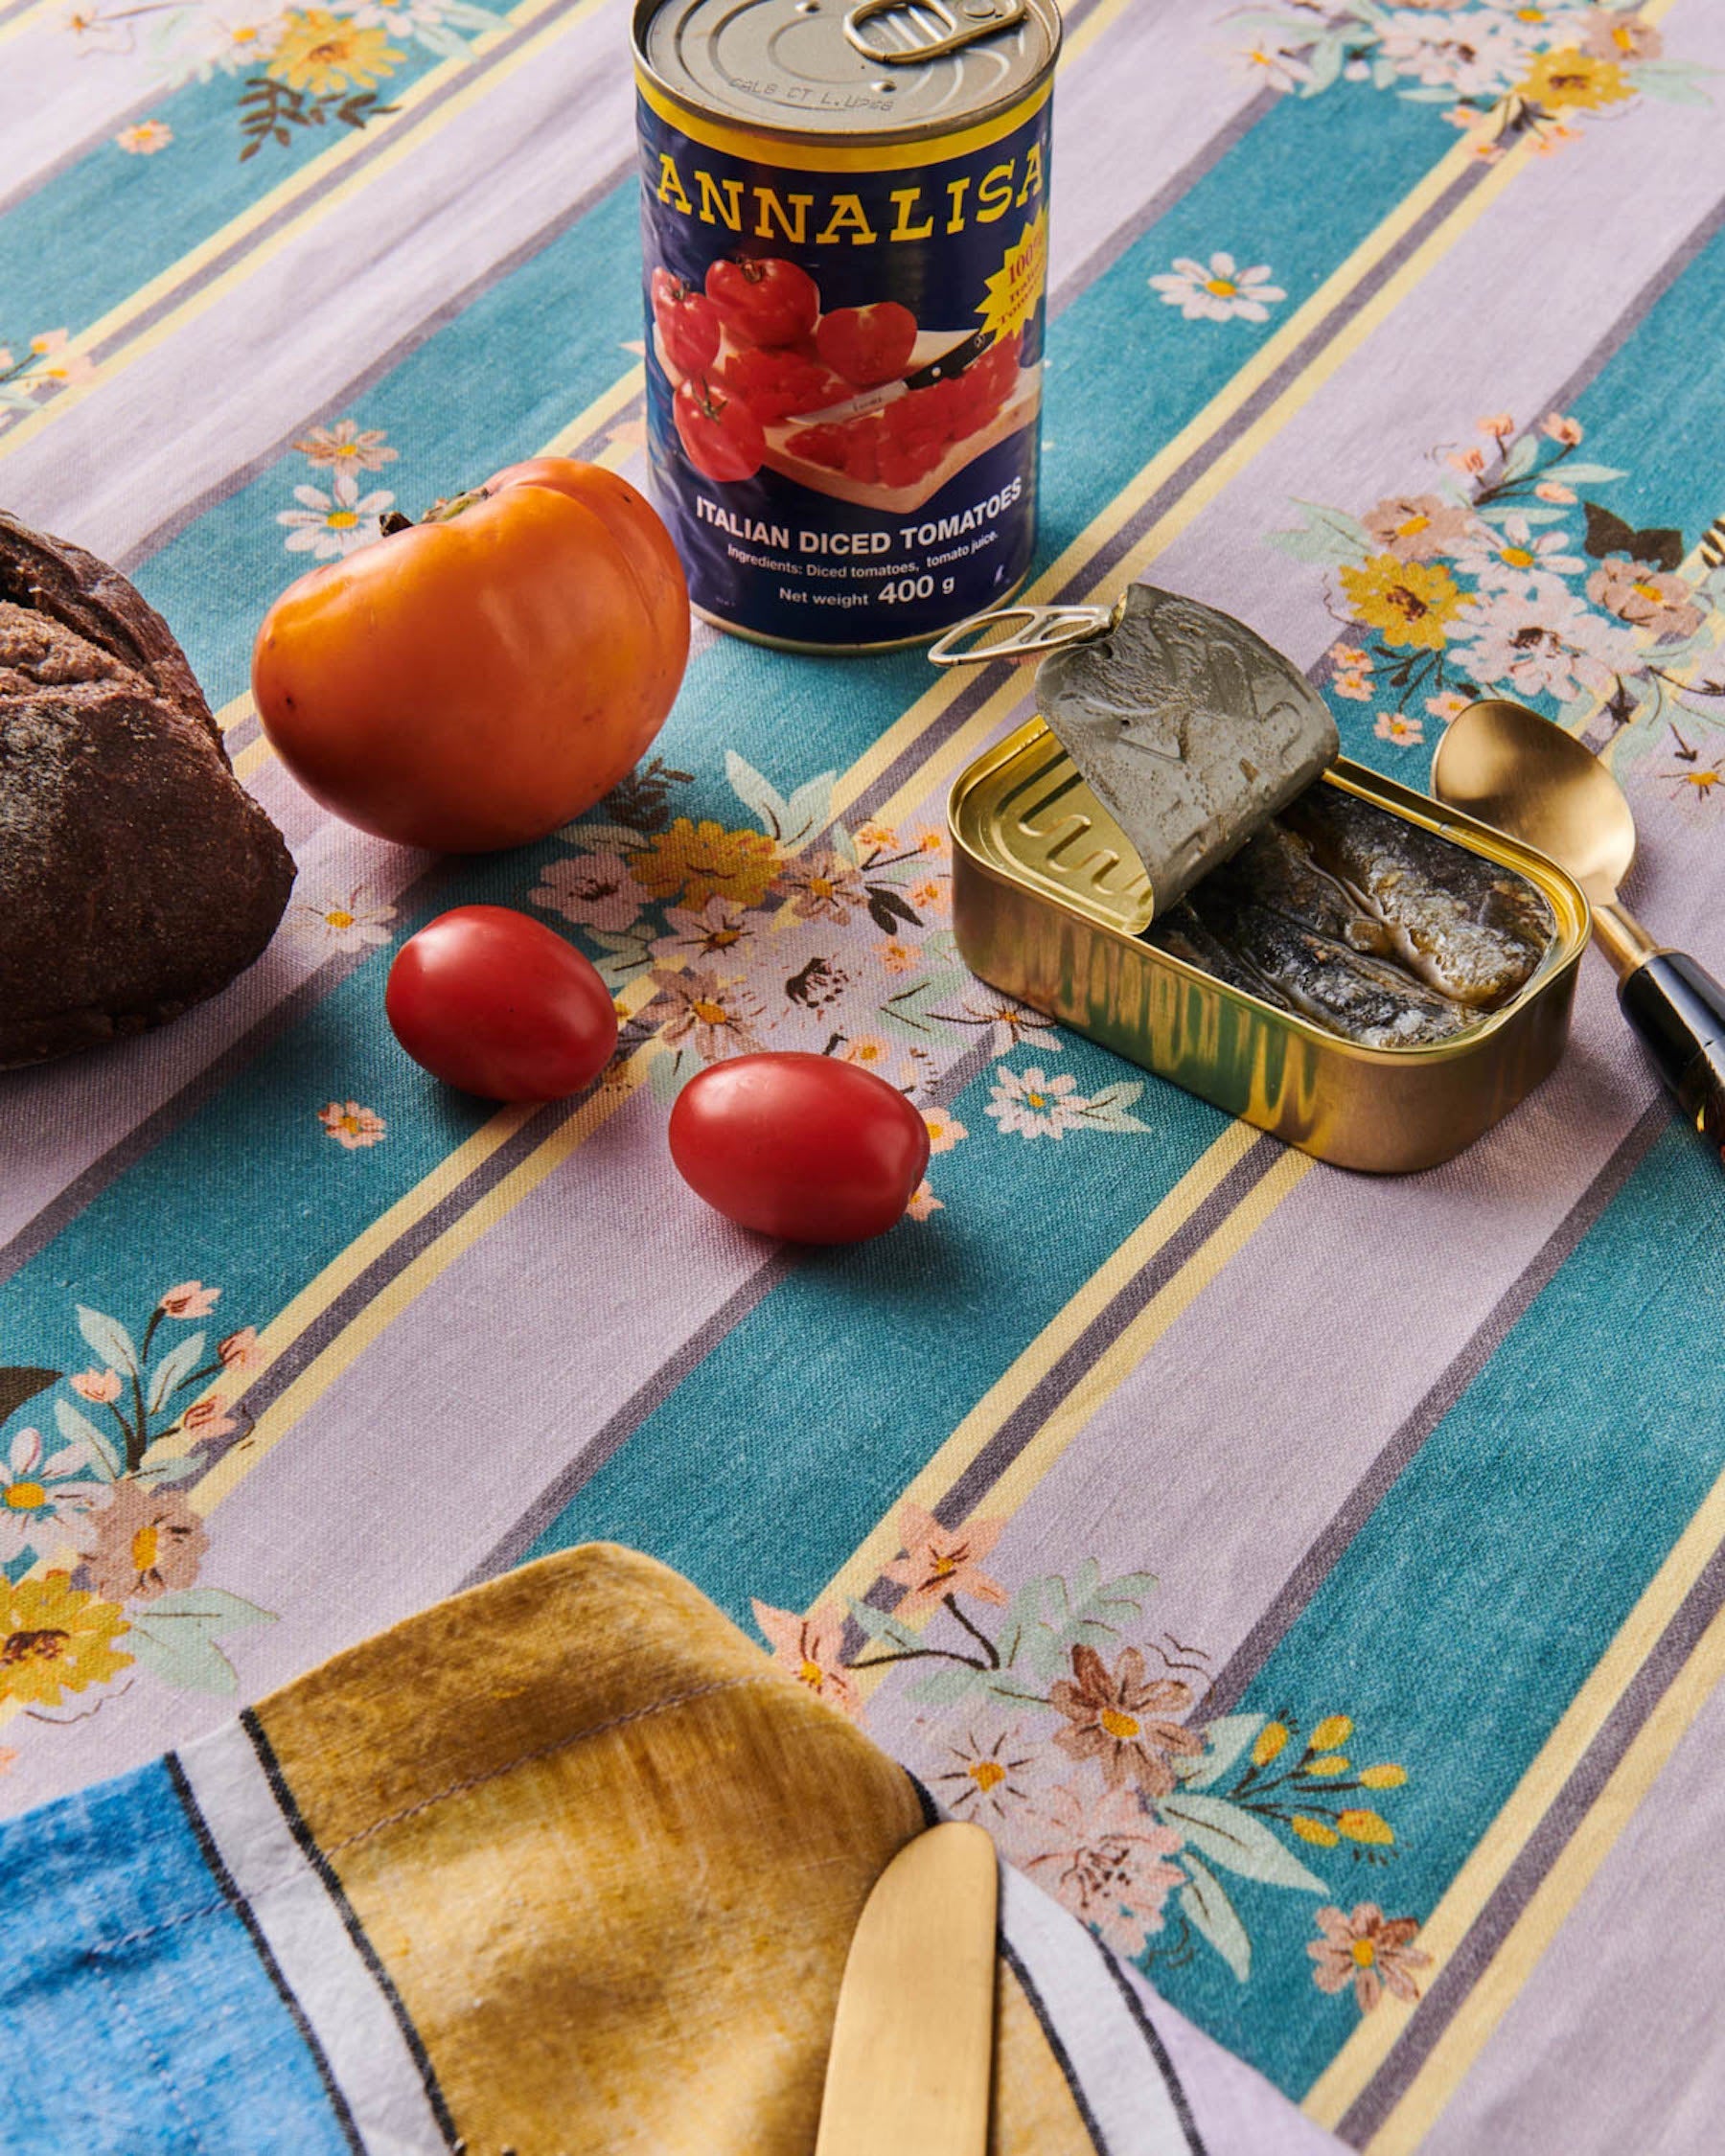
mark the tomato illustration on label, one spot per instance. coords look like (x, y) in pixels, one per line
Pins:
(867, 345)
(766, 301)
(774, 385)
(721, 436)
(687, 323)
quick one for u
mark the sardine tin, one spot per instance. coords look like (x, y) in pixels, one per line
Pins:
(1050, 904)
(893, 153)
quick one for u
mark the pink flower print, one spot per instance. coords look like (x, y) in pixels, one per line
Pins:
(898, 957)
(351, 1126)
(1560, 428)
(1107, 1863)
(941, 1561)
(1123, 1721)
(190, 1299)
(944, 1130)
(1554, 489)
(207, 1419)
(239, 1351)
(1499, 424)
(146, 138)
(810, 1649)
(1370, 1951)
(1469, 462)
(99, 1386)
(923, 1204)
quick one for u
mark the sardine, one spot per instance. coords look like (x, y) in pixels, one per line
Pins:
(1277, 869)
(1471, 930)
(1348, 992)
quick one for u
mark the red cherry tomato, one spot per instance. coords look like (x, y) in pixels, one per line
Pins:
(719, 434)
(688, 324)
(867, 345)
(492, 1001)
(799, 1146)
(769, 302)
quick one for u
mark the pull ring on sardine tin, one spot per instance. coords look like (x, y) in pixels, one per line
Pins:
(1041, 629)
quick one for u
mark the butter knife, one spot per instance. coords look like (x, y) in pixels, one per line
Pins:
(914, 2039)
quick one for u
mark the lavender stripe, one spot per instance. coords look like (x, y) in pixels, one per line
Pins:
(1058, 1383)
(681, 1363)
(1538, 1854)
(1128, 1303)
(1108, 251)
(1332, 1545)
(377, 143)
(405, 347)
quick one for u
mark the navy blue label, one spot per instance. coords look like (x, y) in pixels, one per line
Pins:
(843, 380)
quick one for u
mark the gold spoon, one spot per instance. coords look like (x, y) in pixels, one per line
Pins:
(1511, 767)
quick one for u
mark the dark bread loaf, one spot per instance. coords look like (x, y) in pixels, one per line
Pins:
(137, 876)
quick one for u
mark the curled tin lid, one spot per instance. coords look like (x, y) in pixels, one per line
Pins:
(878, 69)
(1189, 728)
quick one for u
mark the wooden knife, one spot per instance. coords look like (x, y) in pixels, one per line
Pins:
(914, 2039)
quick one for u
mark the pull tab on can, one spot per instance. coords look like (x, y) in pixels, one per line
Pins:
(917, 40)
(1040, 630)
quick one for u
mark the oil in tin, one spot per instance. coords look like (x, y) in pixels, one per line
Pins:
(845, 224)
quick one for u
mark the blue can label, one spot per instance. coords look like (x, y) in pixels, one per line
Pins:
(844, 371)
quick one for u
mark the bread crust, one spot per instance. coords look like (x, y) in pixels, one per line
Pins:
(137, 876)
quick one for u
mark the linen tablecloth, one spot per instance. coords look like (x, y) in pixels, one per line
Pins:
(1363, 1535)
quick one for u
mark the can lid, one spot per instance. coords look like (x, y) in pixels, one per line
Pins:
(874, 68)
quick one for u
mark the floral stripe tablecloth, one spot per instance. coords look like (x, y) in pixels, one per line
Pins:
(1366, 1534)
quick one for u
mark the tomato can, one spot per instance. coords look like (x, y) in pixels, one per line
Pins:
(844, 239)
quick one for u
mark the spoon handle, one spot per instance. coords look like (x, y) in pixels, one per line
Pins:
(1679, 1011)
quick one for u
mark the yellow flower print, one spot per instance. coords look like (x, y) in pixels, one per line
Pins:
(1388, 1776)
(1572, 77)
(694, 862)
(1365, 1826)
(321, 53)
(1318, 1831)
(1332, 1731)
(1268, 1744)
(56, 1639)
(1408, 603)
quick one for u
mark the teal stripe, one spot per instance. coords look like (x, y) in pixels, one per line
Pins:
(1470, 1607)
(249, 1192)
(104, 227)
(774, 1458)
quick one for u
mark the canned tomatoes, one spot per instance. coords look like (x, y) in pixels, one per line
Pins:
(845, 237)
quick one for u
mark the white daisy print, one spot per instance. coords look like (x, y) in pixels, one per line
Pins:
(343, 923)
(1218, 290)
(1036, 1106)
(327, 526)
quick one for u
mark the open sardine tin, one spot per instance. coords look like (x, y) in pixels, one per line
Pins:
(1051, 904)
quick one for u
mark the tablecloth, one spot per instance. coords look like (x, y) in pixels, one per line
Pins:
(1367, 1531)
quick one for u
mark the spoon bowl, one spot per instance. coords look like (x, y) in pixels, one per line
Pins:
(1513, 768)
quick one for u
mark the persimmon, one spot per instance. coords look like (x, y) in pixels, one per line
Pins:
(474, 680)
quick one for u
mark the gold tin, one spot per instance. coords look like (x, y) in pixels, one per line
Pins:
(1049, 904)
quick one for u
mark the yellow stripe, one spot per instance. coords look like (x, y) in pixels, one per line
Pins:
(1555, 1897)
(792, 153)
(1009, 1391)
(405, 133)
(31, 18)
(1110, 1370)
(379, 1315)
